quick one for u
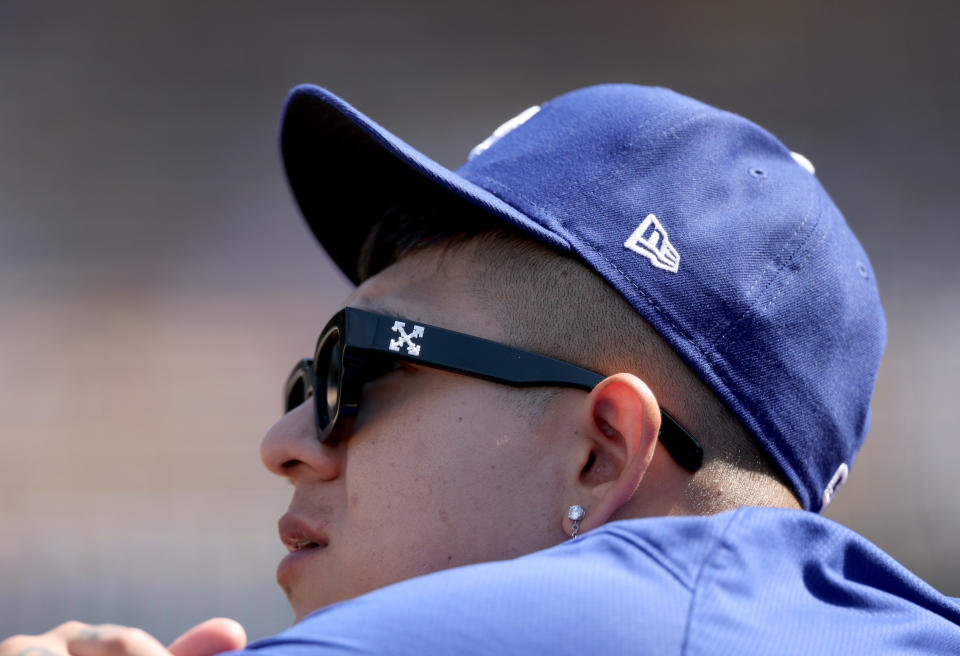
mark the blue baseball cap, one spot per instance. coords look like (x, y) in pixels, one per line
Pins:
(718, 235)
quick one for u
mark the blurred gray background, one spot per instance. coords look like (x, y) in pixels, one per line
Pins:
(156, 282)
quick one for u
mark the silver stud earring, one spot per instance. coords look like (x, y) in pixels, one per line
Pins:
(575, 514)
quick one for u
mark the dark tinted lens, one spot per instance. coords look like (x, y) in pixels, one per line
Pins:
(327, 372)
(299, 385)
(333, 382)
(296, 394)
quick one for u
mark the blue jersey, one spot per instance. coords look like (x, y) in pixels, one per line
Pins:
(750, 581)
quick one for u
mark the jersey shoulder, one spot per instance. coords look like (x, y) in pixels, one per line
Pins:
(792, 582)
(598, 593)
(749, 581)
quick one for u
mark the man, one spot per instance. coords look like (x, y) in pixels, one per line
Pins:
(626, 305)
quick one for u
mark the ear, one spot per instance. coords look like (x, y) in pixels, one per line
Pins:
(620, 419)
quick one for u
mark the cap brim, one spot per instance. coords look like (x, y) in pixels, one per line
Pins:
(346, 171)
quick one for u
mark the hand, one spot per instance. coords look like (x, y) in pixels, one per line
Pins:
(78, 639)
(211, 637)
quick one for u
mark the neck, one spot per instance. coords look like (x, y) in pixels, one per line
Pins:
(668, 489)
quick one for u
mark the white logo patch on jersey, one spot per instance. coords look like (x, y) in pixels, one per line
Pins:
(651, 241)
(406, 338)
(504, 130)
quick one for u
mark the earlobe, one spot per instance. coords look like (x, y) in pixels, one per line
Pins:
(621, 419)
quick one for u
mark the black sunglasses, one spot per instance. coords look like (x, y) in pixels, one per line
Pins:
(357, 346)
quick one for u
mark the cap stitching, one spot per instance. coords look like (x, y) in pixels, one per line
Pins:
(671, 128)
(518, 194)
(762, 415)
(654, 140)
(783, 263)
(738, 324)
(802, 263)
(773, 278)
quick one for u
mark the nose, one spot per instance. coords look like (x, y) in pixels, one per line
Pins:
(291, 448)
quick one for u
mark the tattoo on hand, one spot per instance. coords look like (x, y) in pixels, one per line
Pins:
(38, 651)
(89, 634)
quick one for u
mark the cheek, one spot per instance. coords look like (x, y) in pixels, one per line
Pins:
(391, 489)
(444, 488)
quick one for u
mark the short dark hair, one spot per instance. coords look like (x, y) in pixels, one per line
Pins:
(402, 230)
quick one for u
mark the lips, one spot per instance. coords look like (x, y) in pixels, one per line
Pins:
(299, 534)
(305, 540)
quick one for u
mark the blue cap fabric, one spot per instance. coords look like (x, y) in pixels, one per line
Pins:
(720, 237)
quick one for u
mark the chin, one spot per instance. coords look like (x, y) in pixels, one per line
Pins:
(305, 598)
(302, 607)
(307, 594)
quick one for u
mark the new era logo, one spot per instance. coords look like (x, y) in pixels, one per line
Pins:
(651, 241)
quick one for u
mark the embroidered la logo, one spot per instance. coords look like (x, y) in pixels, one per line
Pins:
(651, 241)
(406, 338)
(504, 130)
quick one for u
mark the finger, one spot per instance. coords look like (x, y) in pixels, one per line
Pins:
(32, 645)
(211, 637)
(112, 640)
(33, 650)
(51, 643)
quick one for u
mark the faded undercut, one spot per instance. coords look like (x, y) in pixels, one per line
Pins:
(553, 304)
